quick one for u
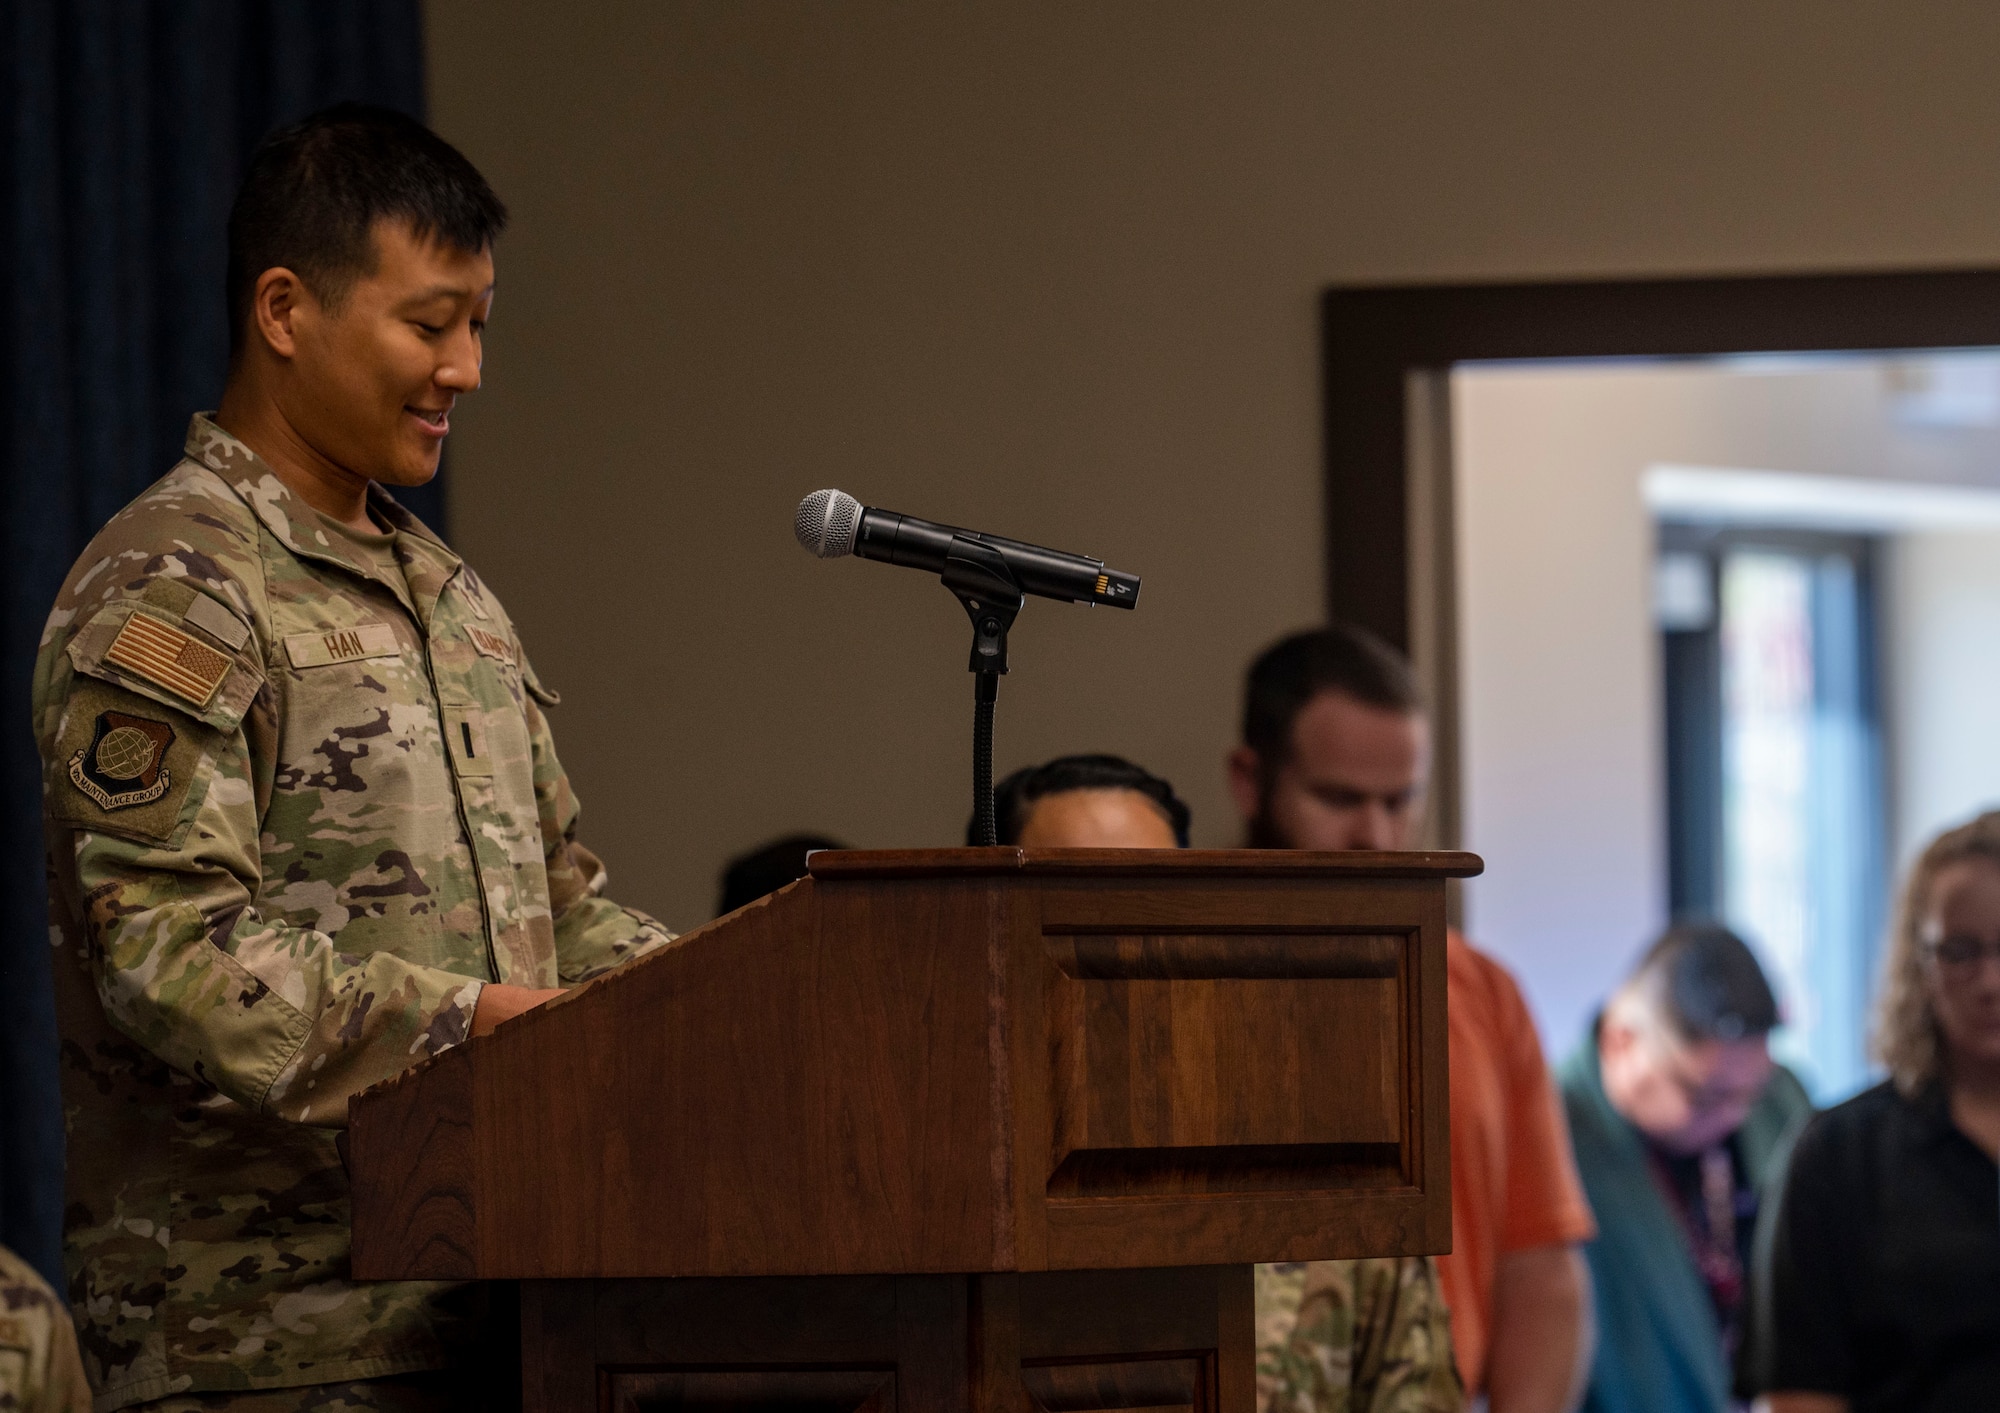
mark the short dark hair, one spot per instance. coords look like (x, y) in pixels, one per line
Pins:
(313, 192)
(1292, 671)
(1707, 985)
(1014, 797)
(767, 868)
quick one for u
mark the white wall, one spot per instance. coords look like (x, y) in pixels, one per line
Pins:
(1559, 702)
(1562, 785)
(1941, 641)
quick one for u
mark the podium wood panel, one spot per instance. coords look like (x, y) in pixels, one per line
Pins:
(1033, 1343)
(979, 1129)
(956, 1061)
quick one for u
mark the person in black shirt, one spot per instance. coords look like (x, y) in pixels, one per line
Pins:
(1881, 1287)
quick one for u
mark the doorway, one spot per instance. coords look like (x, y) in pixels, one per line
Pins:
(1682, 683)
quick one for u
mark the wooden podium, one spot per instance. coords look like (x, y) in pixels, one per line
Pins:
(944, 1129)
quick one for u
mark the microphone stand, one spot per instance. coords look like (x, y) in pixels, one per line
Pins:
(980, 579)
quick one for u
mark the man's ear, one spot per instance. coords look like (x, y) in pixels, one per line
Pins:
(276, 305)
(1246, 782)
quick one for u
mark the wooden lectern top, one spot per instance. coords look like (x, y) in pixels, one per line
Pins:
(953, 1060)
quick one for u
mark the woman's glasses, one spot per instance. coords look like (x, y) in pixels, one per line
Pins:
(1958, 953)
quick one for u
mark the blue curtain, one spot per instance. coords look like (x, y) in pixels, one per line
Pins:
(126, 124)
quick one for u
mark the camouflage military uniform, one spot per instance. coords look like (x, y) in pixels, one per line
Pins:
(299, 809)
(39, 1368)
(1354, 1337)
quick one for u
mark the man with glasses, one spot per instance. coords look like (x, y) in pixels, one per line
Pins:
(1878, 1284)
(1680, 1117)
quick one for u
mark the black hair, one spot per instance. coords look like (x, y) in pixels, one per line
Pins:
(1291, 672)
(313, 192)
(768, 868)
(1707, 984)
(1014, 797)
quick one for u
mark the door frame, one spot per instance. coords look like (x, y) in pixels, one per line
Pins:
(1387, 354)
(1380, 343)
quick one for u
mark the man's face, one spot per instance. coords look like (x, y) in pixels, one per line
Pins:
(1097, 819)
(1354, 779)
(371, 382)
(1685, 1097)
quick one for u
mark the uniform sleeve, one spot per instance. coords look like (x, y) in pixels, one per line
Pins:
(1402, 1340)
(40, 1368)
(1545, 1201)
(1280, 1371)
(160, 810)
(593, 934)
(1370, 1336)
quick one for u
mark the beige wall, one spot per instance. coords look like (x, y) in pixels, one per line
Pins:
(1051, 270)
(1559, 710)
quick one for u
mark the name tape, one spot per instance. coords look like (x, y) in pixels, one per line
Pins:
(337, 645)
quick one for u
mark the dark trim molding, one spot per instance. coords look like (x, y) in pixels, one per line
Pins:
(1374, 337)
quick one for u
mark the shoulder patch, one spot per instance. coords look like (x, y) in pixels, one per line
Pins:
(125, 763)
(123, 766)
(492, 644)
(218, 622)
(168, 657)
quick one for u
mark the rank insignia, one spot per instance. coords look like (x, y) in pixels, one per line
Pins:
(125, 763)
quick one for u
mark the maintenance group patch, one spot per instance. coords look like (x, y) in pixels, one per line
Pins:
(125, 763)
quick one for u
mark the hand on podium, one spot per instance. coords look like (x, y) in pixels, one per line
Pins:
(499, 1003)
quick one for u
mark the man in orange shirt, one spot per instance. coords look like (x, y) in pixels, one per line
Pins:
(1336, 755)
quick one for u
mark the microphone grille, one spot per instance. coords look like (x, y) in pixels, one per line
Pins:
(827, 523)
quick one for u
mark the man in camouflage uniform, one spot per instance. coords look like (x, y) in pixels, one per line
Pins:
(39, 1368)
(306, 825)
(1354, 1337)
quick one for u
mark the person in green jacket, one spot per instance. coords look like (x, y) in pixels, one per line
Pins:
(1681, 1120)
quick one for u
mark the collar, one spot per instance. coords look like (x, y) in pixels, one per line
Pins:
(1929, 1116)
(1586, 1076)
(295, 524)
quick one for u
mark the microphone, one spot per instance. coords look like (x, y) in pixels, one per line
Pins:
(833, 523)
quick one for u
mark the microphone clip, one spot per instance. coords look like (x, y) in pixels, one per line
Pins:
(979, 578)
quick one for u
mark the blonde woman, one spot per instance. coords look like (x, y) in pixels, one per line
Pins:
(1883, 1280)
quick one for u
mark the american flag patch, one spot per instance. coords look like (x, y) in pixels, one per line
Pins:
(167, 657)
